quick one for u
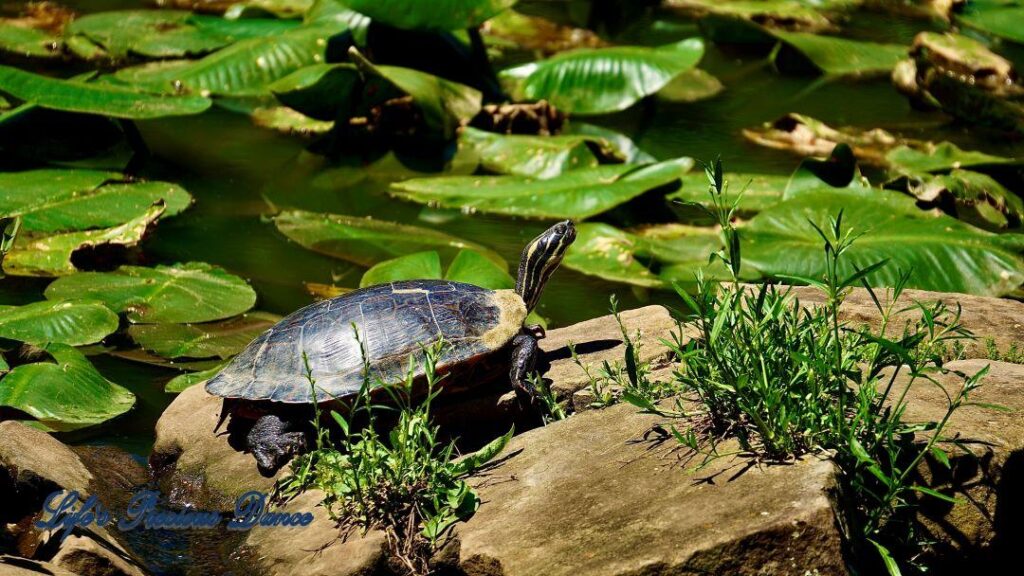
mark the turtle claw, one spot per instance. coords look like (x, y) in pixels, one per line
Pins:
(272, 446)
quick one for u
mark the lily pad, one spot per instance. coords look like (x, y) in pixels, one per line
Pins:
(941, 157)
(66, 394)
(245, 68)
(436, 15)
(534, 156)
(28, 42)
(366, 241)
(578, 194)
(970, 196)
(182, 293)
(221, 339)
(119, 34)
(691, 86)
(95, 98)
(944, 254)
(181, 382)
(37, 254)
(834, 56)
(1002, 20)
(603, 80)
(320, 91)
(421, 265)
(53, 199)
(757, 192)
(74, 322)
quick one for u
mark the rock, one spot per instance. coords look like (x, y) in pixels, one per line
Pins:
(15, 566)
(984, 528)
(319, 549)
(591, 495)
(83, 555)
(195, 465)
(998, 320)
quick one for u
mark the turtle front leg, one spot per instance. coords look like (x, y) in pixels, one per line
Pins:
(525, 352)
(272, 444)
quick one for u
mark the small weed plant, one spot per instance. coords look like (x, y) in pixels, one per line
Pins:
(786, 381)
(406, 482)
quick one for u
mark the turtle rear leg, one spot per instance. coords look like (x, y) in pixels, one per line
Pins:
(272, 444)
(525, 352)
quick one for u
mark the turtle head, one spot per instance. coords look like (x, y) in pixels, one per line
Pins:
(540, 258)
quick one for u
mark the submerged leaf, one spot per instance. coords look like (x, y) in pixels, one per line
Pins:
(221, 339)
(366, 241)
(74, 322)
(192, 292)
(66, 394)
(602, 80)
(578, 194)
(95, 98)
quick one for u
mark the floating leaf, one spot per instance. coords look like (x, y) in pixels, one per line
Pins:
(972, 197)
(534, 156)
(421, 265)
(53, 199)
(288, 121)
(28, 42)
(245, 68)
(997, 19)
(691, 86)
(366, 241)
(320, 91)
(471, 267)
(578, 194)
(164, 33)
(192, 292)
(221, 339)
(182, 382)
(944, 254)
(51, 255)
(602, 80)
(95, 98)
(834, 56)
(606, 252)
(75, 322)
(756, 192)
(940, 158)
(66, 394)
(445, 104)
(436, 15)
(785, 14)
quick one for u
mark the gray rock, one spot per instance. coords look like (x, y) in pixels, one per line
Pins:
(84, 555)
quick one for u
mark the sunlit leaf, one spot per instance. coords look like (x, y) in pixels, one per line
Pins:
(421, 265)
(192, 292)
(74, 322)
(66, 394)
(533, 156)
(437, 15)
(602, 80)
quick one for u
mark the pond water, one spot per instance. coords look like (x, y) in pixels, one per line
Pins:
(238, 173)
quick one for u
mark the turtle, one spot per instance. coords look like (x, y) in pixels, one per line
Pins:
(388, 323)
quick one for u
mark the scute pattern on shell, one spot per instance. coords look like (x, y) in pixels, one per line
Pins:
(393, 321)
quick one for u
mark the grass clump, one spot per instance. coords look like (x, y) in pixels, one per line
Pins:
(407, 482)
(786, 381)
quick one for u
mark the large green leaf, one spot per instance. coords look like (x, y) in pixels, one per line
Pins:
(66, 394)
(95, 98)
(245, 68)
(1002, 21)
(164, 33)
(578, 194)
(189, 379)
(756, 192)
(650, 258)
(221, 339)
(28, 42)
(945, 255)
(602, 80)
(37, 254)
(320, 91)
(471, 267)
(53, 199)
(533, 156)
(417, 266)
(436, 15)
(445, 104)
(940, 158)
(969, 196)
(75, 322)
(366, 241)
(192, 292)
(843, 57)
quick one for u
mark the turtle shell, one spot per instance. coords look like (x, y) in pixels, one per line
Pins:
(393, 321)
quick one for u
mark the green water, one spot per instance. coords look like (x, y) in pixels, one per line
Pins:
(238, 172)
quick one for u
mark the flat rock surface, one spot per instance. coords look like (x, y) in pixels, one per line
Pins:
(14, 566)
(589, 495)
(83, 555)
(319, 549)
